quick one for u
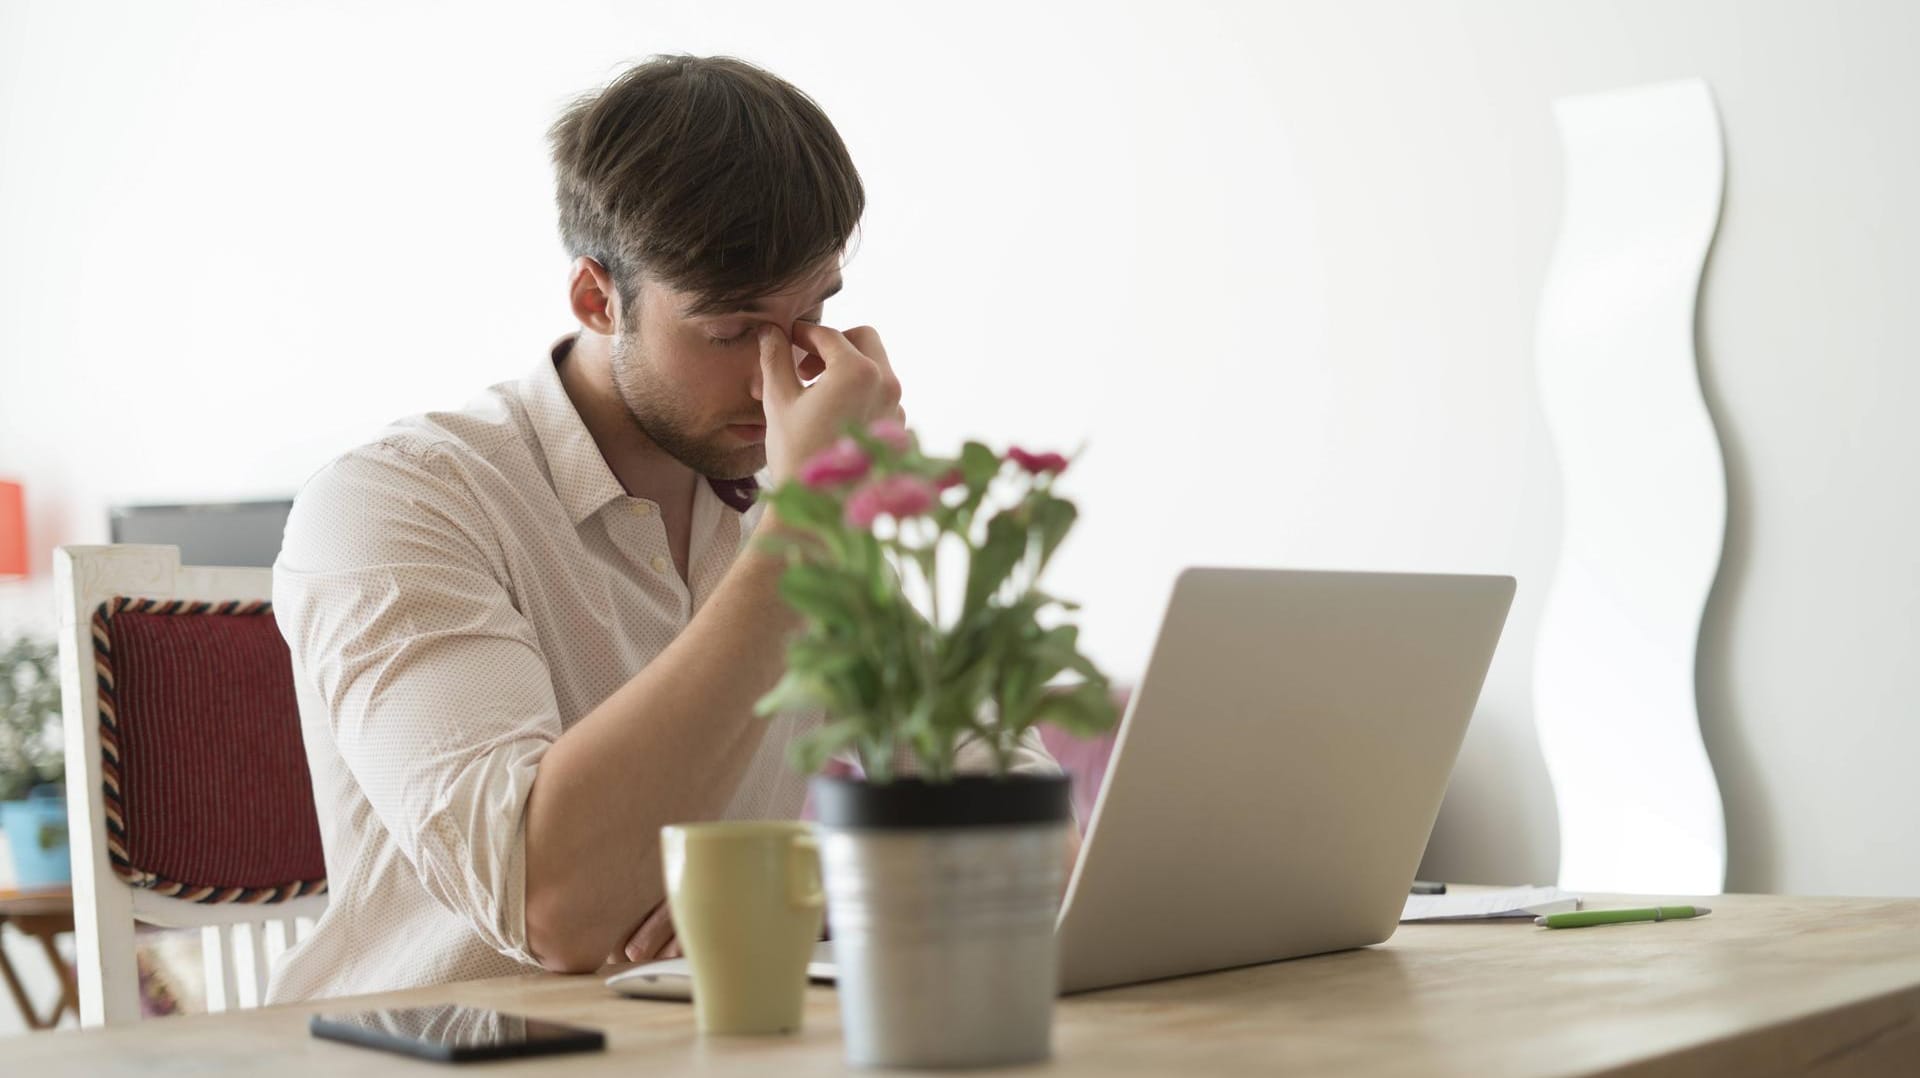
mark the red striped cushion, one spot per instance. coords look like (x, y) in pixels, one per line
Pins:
(214, 787)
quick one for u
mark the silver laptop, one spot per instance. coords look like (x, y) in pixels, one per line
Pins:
(1276, 774)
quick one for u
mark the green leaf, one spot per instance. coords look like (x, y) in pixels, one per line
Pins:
(821, 593)
(978, 465)
(810, 752)
(789, 546)
(1083, 711)
(882, 584)
(876, 756)
(1052, 518)
(822, 654)
(994, 559)
(796, 689)
(1056, 650)
(1062, 644)
(1017, 686)
(860, 687)
(805, 507)
(923, 735)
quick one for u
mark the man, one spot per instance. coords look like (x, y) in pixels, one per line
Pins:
(529, 633)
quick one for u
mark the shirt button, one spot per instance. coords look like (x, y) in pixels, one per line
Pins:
(643, 509)
(660, 563)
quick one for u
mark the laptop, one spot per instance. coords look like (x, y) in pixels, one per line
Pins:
(1275, 777)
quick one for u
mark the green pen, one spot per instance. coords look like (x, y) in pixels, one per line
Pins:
(1587, 918)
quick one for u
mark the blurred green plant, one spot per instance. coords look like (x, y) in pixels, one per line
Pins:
(867, 521)
(30, 750)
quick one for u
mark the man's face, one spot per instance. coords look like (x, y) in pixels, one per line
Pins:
(692, 378)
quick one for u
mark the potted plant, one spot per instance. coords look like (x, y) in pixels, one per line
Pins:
(942, 888)
(33, 809)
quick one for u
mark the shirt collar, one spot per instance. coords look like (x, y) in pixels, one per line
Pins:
(580, 474)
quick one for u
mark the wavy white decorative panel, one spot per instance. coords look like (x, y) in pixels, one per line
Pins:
(1645, 499)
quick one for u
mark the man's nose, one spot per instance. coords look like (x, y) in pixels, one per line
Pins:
(754, 386)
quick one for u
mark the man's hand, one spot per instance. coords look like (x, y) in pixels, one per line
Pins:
(856, 386)
(654, 939)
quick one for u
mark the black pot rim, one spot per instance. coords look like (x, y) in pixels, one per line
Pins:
(966, 801)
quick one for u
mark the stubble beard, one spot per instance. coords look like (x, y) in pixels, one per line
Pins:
(656, 410)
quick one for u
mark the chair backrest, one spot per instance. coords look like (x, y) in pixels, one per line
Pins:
(187, 788)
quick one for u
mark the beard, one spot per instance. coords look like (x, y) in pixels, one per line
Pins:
(662, 416)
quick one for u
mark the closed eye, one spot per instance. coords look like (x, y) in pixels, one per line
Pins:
(748, 334)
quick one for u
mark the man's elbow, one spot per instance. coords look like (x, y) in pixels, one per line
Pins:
(556, 937)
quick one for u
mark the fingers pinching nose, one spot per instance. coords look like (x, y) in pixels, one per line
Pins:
(779, 378)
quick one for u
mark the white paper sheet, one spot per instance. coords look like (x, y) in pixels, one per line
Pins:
(1482, 905)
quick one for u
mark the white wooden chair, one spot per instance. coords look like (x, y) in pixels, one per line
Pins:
(241, 939)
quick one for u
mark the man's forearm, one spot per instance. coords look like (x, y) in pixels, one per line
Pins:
(670, 745)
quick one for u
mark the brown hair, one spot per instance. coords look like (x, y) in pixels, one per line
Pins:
(706, 174)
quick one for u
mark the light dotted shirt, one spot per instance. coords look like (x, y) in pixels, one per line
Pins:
(457, 594)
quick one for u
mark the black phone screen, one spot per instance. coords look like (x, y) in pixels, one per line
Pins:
(453, 1033)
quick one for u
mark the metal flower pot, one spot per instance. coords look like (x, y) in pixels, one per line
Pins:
(942, 899)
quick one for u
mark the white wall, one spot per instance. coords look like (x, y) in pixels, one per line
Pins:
(1277, 264)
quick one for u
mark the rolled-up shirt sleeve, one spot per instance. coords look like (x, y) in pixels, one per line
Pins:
(394, 601)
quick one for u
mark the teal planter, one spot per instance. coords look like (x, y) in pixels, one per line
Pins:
(37, 834)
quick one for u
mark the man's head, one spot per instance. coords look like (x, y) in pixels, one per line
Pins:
(700, 198)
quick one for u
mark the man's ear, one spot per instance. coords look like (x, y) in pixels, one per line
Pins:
(595, 301)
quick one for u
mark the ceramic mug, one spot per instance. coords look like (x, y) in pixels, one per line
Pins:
(747, 907)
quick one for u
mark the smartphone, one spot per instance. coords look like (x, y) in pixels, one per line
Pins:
(451, 1033)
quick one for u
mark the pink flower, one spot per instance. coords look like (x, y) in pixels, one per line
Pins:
(953, 478)
(1037, 463)
(896, 496)
(842, 462)
(890, 433)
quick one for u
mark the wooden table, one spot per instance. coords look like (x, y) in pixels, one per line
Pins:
(1763, 986)
(43, 915)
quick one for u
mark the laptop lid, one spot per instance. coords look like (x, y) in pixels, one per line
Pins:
(1278, 772)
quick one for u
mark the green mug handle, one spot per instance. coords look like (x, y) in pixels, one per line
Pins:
(803, 874)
